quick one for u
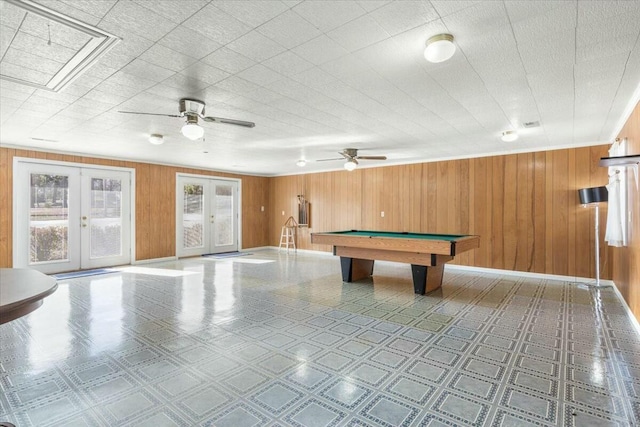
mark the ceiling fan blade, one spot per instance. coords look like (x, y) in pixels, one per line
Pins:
(328, 160)
(150, 114)
(371, 157)
(229, 121)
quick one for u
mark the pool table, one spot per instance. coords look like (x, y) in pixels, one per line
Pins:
(427, 253)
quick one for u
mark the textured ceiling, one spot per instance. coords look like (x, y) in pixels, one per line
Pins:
(320, 76)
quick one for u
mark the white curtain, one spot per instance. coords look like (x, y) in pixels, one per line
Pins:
(615, 234)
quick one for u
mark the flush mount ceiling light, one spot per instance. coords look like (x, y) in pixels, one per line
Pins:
(439, 48)
(301, 162)
(156, 139)
(509, 135)
(192, 129)
(351, 164)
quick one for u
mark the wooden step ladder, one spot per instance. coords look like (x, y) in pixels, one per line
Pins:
(288, 234)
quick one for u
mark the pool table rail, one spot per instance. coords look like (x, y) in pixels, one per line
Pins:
(418, 246)
(427, 253)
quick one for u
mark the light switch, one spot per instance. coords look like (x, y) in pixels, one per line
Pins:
(282, 213)
(261, 208)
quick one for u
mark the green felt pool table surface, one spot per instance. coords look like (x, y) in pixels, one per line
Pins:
(400, 235)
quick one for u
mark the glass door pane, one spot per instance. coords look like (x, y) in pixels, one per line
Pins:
(105, 219)
(193, 216)
(48, 218)
(223, 214)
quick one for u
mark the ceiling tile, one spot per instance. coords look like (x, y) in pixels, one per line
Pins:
(189, 42)
(167, 58)
(107, 97)
(289, 30)
(477, 19)
(63, 35)
(216, 25)
(448, 7)
(320, 50)
(149, 71)
(606, 48)
(554, 24)
(314, 77)
(20, 72)
(130, 44)
(228, 60)
(6, 36)
(592, 31)
(371, 5)
(139, 20)
(39, 47)
(256, 46)
(288, 63)
(174, 10)
(398, 17)
(260, 75)
(327, 15)
(21, 59)
(360, 33)
(237, 85)
(346, 66)
(11, 16)
(520, 10)
(88, 12)
(253, 14)
(205, 73)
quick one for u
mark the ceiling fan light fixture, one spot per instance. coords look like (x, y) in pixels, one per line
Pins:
(350, 165)
(439, 48)
(301, 162)
(156, 139)
(509, 135)
(192, 129)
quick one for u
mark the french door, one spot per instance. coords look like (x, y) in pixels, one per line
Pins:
(71, 218)
(207, 215)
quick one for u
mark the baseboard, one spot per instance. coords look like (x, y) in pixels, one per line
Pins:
(584, 280)
(634, 321)
(257, 248)
(149, 261)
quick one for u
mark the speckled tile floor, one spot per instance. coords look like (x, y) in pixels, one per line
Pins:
(277, 340)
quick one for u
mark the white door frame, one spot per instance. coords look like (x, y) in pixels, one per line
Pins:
(132, 196)
(179, 207)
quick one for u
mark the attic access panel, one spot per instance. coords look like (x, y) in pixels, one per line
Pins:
(42, 48)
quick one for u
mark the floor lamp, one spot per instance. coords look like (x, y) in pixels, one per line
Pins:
(593, 197)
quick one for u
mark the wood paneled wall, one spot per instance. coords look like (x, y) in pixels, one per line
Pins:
(626, 261)
(525, 207)
(155, 203)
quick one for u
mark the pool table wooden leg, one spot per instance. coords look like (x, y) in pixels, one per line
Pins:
(355, 269)
(426, 279)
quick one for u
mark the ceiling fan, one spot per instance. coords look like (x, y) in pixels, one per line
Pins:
(193, 109)
(351, 154)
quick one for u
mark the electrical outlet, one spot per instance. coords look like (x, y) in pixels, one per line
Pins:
(282, 213)
(382, 214)
(261, 208)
